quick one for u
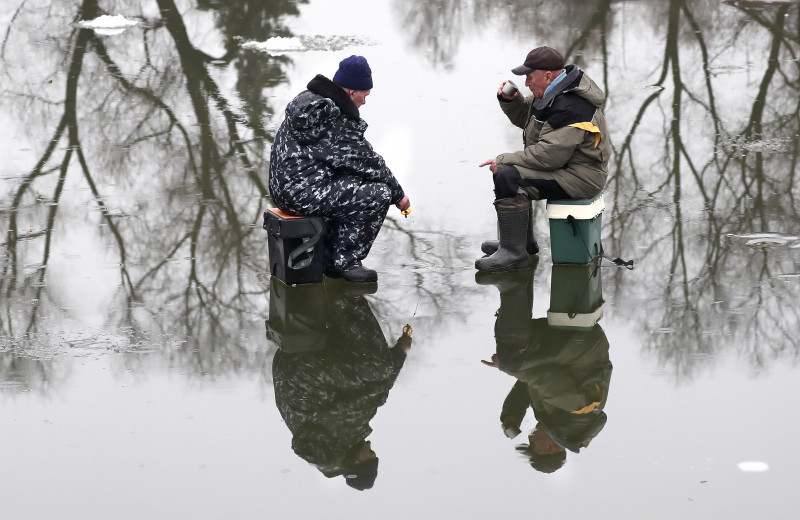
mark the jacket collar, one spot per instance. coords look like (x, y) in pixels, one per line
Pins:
(572, 79)
(327, 88)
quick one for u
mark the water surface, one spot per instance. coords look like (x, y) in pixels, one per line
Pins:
(136, 376)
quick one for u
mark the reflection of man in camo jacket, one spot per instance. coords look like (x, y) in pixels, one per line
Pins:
(322, 165)
(328, 397)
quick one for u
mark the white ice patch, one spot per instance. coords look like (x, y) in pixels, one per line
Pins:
(753, 466)
(108, 25)
(276, 45)
(664, 330)
(760, 239)
(766, 145)
(50, 345)
(279, 45)
(12, 386)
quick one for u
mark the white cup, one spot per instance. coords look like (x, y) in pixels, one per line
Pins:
(509, 88)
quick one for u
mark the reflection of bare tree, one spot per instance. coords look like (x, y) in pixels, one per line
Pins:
(33, 283)
(188, 263)
(726, 183)
(172, 171)
(25, 372)
(253, 19)
(437, 27)
(697, 175)
(431, 283)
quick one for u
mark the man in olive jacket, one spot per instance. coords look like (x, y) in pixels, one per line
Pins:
(565, 155)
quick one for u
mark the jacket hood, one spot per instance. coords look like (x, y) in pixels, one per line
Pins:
(576, 82)
(327, 88)
(307, 113)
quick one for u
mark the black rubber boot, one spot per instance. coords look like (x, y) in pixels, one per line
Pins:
(490, 246)
(512, 220)
(357, 274)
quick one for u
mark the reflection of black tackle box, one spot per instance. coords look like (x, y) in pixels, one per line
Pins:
(295, 247)
(296, 316)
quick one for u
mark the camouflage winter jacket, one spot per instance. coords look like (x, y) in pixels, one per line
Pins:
(321, 137)
(564, 133)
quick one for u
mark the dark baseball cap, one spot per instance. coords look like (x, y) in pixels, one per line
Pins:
(540, 58)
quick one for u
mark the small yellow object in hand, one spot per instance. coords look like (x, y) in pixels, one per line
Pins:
(406, 212)
(408, 330)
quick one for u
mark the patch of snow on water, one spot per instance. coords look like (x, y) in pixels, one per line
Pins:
(762, 239)
(108, 25)
(279, 45)
(753, 466)
(740, 145)
(50, 345)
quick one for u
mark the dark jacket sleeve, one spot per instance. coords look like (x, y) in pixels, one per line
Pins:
(354, 155)
(516, 109)
(517, 401)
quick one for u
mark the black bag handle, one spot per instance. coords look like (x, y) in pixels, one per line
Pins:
(304, 247)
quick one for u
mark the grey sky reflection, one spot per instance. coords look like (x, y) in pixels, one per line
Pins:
(134, 288)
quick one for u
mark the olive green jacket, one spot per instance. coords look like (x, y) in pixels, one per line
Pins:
(564, 134)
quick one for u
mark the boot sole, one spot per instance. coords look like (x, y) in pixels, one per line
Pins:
(335, 275)
(492, 250)
(522, 264)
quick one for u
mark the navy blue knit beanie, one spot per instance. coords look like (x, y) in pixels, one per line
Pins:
(354, 73)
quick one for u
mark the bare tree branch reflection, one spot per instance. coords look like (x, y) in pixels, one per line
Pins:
(706, 195)
(165, 161)
(221, 289)
(717, 285)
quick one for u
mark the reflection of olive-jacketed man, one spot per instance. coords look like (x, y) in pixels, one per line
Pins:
(327, 397)
(565, 155)
(562, 374)
(322, 165)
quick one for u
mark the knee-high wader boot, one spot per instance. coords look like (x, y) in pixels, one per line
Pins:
(513, 215)
(490, 246)
(512, 327)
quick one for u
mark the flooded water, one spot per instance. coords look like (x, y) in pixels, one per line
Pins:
(151, 368)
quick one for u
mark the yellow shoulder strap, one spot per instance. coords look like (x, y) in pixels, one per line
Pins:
(589, 127)
(591, 406)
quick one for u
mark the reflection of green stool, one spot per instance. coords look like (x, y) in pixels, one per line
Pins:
(575, 229)
(576, 296)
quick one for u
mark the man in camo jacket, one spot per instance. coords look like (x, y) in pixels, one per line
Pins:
(322, 165)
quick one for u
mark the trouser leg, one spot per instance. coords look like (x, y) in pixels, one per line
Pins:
(508, 181)
(354, 212)
(348, 242)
